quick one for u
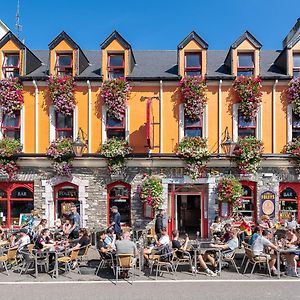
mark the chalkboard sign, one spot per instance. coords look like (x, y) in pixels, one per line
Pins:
(288, 193)
(22, 192)
(67, 193)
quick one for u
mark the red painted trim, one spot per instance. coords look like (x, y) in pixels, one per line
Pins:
(149, 126)
(109, 188)
(5, 129)
(9, 69)
(64, 69)
(192, 68)
(63, 129)
(9, 188)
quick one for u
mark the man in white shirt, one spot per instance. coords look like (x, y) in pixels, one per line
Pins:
(23, 240)
(291, 223)
(258, 248)
(164, 238)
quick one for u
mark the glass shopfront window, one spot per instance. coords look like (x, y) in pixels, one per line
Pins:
(66, 195)
(288, 204)
(16, 200)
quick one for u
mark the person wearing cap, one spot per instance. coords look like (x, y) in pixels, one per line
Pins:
(75, 220)
(24, 239)
(116, 221)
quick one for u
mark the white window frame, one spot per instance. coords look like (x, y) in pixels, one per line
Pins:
(235, 122)
(289, 124)
(181, 121)
(52, 131)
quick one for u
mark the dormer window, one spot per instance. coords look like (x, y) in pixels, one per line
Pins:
(245, 64)
(64, 64)
(192, 65)
(296, 65)
(115, 66)
(11, 65)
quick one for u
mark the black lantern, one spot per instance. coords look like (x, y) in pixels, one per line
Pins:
(228, 145)
(78, 145)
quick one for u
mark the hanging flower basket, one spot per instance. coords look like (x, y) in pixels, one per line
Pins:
(152, 191)
(61, 152)
(195, 154)
(248, 153)
(293, 148)
(115, 94)
(293, 92)
(62, 94)
(249, 92)
(193, 94)
(115, 151)
(11, 96)
(8, 148)
(230, 191)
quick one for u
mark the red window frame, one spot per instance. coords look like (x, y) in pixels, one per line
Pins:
(198, 126)
(296, 69)
(114, 128)
(109, 198)
(193, 68)
(64, 70)
(10, 69)
(249, 68)
(56, 198)
(252, 186)
(9, 188)
(115, 69)
(63, 129)
(244, 128)
(296, 188)
(15, 129)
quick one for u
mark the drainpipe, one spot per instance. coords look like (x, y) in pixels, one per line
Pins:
(161, 104)
(36, 119)
(89, 115)
(274, 116)
(220, 116)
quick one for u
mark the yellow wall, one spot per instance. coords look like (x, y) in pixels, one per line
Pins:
(29, 126)
(192, 46)
(10, 46)
(62, 47)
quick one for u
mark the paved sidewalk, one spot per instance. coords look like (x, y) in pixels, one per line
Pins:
(106, 274)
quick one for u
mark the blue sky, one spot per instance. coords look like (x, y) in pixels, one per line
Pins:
(152, 24)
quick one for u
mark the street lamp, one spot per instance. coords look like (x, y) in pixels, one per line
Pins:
(228, 145)
(78, 145)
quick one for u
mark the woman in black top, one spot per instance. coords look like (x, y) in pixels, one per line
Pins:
(84, 240)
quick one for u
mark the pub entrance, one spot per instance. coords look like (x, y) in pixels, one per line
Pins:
(187, 210)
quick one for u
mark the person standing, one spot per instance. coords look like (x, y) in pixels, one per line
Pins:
(75, 220)
(116, 221)
(159, 222)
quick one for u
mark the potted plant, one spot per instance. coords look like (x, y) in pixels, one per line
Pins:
(293, 148)
(230, 191)
(11, 95)
(115, 94)
(8, 148)
(194, 152)
(248, 153)
(62, 93)
(249, 92)
(61, 152)
(293, 93)
(192, 90)
(151, 191)
(115, 150)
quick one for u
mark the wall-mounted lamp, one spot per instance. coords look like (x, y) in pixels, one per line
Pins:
(78, 145)
(228, 145)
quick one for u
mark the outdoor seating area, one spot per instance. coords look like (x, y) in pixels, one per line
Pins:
(228, 253)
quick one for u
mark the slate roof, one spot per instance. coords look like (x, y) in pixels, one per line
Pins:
(162, 65)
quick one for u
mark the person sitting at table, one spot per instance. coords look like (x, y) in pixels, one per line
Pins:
(291, 222)
(67, 226)
(23, 240)
(227, 228)
(259, 249)
(1, 234)
(227, 248)
(110, 233)
(106, 250)
(216, 227)
(42, 225)
(255, 235)
(44, 241)
(164, 238)
(291, 263)
(12, 240)
(266, 223)
(83, 241)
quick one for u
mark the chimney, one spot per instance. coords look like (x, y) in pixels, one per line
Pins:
(292, 35)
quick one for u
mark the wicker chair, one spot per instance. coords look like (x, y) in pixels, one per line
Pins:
(262, 259)
(125, 262)
(68, 260)
(10, 258)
